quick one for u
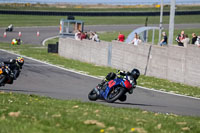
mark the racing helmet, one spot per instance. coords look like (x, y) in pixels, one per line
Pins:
(135, 73)
(20, 61)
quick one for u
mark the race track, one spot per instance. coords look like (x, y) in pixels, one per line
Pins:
(47, 80)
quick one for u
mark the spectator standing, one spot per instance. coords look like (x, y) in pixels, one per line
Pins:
(136, 40)
(180, 37)
(86, 36)
(198, 41)
(164, 40)
(77, 35)
(83, 36)
(91, 35)
(121, 37)
(186, 41)
(95, 37)
(194, 38)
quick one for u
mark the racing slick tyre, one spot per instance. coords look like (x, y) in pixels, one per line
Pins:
(123, 98)
(115, 94)
(93, 96)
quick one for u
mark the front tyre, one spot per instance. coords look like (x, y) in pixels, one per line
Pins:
(93, 96)
(123, 98)
(115, 94)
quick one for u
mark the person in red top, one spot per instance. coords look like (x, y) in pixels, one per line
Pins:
(83, 36)
(121, 37)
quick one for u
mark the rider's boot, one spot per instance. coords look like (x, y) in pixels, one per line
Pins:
(131, 90)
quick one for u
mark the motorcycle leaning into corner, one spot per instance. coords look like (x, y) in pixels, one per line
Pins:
(10, 28)
(5, 75)
(10, 70)
(115, 86)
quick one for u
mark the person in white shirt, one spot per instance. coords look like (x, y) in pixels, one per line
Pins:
(95, 37)
(185, 41)
(77, 35)
(136, 40)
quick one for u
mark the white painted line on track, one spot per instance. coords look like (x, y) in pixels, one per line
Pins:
(36, 65)
(43, 42)
(81, 73)
(31, 27)
(170, 93)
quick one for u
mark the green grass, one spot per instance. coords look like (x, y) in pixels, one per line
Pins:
(51, 41)
(90, 8)
(91, 69)
(21, 113)
(34, 20)
(109, 36)
(80, 8)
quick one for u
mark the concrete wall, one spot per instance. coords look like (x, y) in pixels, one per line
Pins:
(86, 51)
(173, 63)
(127, 56)
(176, 64)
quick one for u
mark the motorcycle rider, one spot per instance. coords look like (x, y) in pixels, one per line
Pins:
(15, 65)
(16, 41)
(10, 28)
(131, 76)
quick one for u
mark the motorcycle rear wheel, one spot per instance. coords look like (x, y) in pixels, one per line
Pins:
(115, 94)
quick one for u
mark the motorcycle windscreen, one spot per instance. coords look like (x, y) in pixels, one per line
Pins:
(128, 84)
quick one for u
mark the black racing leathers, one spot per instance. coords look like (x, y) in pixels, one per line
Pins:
(14, 67)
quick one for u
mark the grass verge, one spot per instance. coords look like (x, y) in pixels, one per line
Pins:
(34, 20)
(150, 82)
(34, 114)
(92, 8)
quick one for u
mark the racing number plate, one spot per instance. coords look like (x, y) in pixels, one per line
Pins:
(111, 83)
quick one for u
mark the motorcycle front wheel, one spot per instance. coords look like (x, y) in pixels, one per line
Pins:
(93, 96)
(1, 77)
(115, 94)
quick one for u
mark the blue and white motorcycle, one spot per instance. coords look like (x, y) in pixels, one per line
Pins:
(113, 90)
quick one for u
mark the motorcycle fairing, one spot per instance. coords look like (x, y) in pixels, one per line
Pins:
(111, 84)
(127, 84)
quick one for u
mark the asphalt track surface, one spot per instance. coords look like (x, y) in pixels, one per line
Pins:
(47, 80)
(29, 34)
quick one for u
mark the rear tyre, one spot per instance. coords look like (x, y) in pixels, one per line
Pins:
(115, 94)
(93, 96)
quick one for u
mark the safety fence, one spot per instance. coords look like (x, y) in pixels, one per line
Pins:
(96, 13)
(173, 63)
